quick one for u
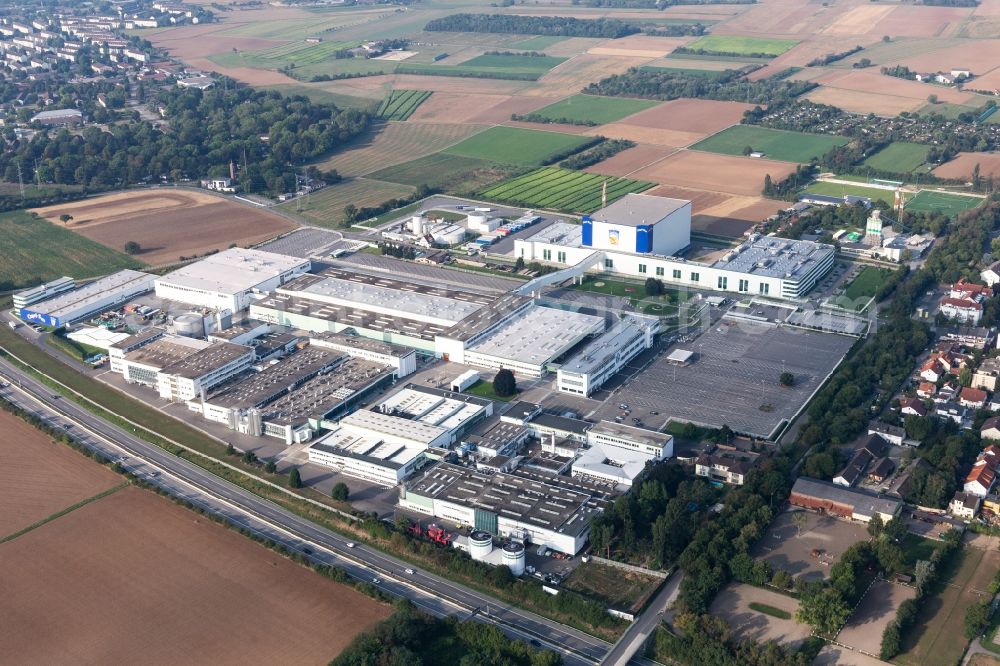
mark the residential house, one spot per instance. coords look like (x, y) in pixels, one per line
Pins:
(912, 407)
(970, 291)
(872, 448)
(964, 505)
(962, 309)
(881, 470)
(933, 369)
(991, 505)
(926, 390)
(979, 337)
(991, 275)
(890, 433)
(990, 428)
(956, 413)
(985, 376)
(980, 479)
(731, 467)
(973, 398)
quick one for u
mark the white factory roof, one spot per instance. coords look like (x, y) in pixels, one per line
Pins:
(72, 301)
(635, 209)
(232, 271)
(774, 257)
(432, 408)
(96, 336)
(57, 113)
(394, 427)
(351, 444)
(560, 233)
(611, 462)
(410, 303)
(603, 348)
(539, 335)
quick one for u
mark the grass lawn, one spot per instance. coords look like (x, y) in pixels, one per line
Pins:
(35, 250)
(840, 189)
(325, 208)
(513, 145)
(742, 45)
(770, 610)
(899, 157)
(600, 110)
(949, 204)
(635, 292)
(775, 144)
(618, 588)
(485, 390)
(917, 548)
(867, 282)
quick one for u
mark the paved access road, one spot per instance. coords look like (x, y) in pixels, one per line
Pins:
(636, 636)
(185, 479)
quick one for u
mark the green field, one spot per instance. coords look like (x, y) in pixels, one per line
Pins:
(451, 173)
(624, 590)
(564, 189)
(899, 157)
(704, 73)
(590, 108)
(35, 250)
(513, 145)
(517, 67)
(927, 201)
(539, 43)
(775, 144)
(320, 96)
(318, 60)
(400, 104)
(862, 288)
(742, 45)
(840, 189)
(636, 293)
(326, 207)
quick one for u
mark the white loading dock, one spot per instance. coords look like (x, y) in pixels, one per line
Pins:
(228, 281)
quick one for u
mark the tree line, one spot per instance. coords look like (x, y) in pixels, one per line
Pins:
(556, 26)
(731, 85)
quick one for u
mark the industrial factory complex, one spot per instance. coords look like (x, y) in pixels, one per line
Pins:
(381, 371)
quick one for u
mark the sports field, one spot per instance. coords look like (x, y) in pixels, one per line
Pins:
(35, 250)
(899, 157)
(511, 145)
(564, 189)
(775, 144)
(726, 44)
(400, 104)
(594, 109)
(927, 201)
(518, 67)
(840, 189)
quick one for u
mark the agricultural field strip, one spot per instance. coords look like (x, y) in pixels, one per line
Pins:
(572, 189)
(402, 105)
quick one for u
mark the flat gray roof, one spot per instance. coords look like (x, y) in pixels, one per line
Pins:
(774, 257)
(862, 502)
(601, 349)
(560, 233)
(641, 435)
(69, 301)
(633, 210)
(538, 336)
(487, 317)
(206, 360)
(274, 380)
(232, 271)
(349, 339)
(325, 393)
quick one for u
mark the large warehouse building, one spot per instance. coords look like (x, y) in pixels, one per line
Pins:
(229, 280)
(602, 358)
(69, 306)
(762, 266)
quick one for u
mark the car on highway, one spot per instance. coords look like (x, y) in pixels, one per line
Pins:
(350, 544)
(376, 580)
(409, 572)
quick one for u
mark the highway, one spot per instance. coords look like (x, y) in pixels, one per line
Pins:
(186, 480)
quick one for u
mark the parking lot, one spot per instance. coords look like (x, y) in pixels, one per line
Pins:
(785, 549)
(733, 377)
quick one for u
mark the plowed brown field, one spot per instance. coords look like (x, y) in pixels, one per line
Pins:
(964, 163)
(168, 223)
(717, 173)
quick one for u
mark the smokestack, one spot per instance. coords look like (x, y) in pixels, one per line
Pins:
(604, 194)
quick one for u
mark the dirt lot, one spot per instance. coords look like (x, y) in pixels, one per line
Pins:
(640, 46)
(734, 216)
(964, 163)
(834, 655)
(168, 223)
(39, 477)
(175, 588)
(720, 173)
(864, 628)
(786, 550)
(631, 160)
(733, 605)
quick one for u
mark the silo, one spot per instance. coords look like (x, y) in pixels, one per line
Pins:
(417, 225)
(190, 324)
(480, 544)
(513, 557)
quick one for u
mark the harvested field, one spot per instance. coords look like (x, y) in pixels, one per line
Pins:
(921, 21)
(751, 46)
(989, 81)
(450, 107)
(39, 477)
(733, 605)
(646, 135)
(700, 199)
(36, 250)
(979, 57)
(639, 46)
(735, 216)
(631, 160)
(789, 18)
(864, 102)
(168, 223)
(571, 76)
(873, 82)
(864, 627)
(698, 116)
(719, 173)
(452, 173)
(858, 20)
(964, 163)
(175, 587)
(693, 62)
(326, 207)
(201, 41)
(396, 143)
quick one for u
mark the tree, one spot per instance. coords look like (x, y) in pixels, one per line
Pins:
(340, 491)
(504, 384)
(131, 247)
(800, 520)
(875, 526)
(724, 435)
(230, 450)
(294, 478)
(977, 617)
(932, 99)
(747, 150)
(66, 217)
(820, 465)
(965, 377)
(782, 579)
(786, 379)
(890, 642)
(895, 529)
(270, 467)
(249, 457)
(825, 611)
(886, 38)
(519, 264)
(923, 574)
(653, 287)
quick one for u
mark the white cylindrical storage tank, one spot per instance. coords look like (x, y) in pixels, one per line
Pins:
(480, 545)
(190, 324)
(451, 235)
(477, 222)
(417, 225)
(513, 557)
